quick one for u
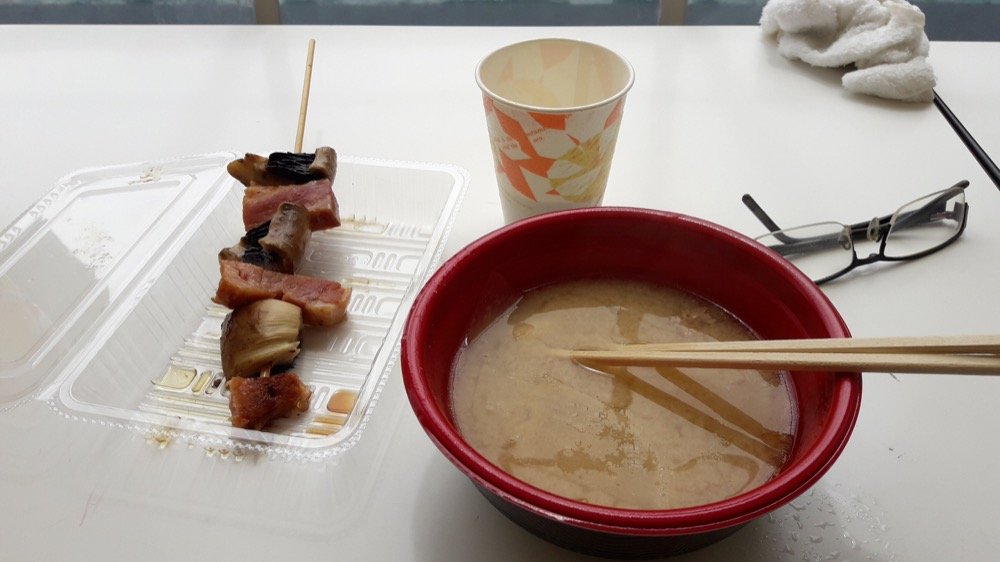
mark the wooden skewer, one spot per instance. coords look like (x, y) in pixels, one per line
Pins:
(304, 104)
(968, 355)
(932, 344)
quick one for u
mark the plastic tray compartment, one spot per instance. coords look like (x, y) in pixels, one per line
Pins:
(110, 277)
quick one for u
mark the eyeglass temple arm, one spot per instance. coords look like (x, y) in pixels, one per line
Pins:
(789, 244)
(858, 230)
(764, 218)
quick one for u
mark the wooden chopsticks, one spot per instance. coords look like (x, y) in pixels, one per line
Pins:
(971, 355)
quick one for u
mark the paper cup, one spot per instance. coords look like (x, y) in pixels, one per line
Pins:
(553, 107)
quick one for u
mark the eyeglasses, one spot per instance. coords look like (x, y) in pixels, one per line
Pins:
(825, 251)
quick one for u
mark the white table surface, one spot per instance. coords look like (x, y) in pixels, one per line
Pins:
(714, 113)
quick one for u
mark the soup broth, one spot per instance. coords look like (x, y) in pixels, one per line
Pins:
(628, 437)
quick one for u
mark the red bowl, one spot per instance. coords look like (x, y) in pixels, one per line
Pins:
(770, 296)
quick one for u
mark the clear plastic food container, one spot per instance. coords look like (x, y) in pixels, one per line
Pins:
(106, 287)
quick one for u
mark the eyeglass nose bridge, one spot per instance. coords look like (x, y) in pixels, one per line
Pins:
(872, 258)
(874, 232)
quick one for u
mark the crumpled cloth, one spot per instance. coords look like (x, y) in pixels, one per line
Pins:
(884, 40)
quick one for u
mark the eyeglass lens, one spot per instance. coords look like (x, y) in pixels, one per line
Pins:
(818, 250)
(925, 224)
(826, 249)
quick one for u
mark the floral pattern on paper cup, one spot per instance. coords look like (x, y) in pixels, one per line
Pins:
(553, 108)
(553, 157)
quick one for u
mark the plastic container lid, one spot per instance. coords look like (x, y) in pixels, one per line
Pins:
(106, 286)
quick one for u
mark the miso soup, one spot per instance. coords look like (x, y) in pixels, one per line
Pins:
(628, 437)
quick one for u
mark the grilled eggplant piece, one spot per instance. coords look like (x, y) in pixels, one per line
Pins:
(252, 170)
(287, 236)
(260, 336)
(325, 163)
(276, 245)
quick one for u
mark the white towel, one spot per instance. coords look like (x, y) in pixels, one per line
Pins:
(883, 39)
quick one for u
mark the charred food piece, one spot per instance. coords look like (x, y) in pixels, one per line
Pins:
(249, 250)
(261, 202)
(254, 403)
(260, 336)
(302, 168)
(276, 245)
(284, 168)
